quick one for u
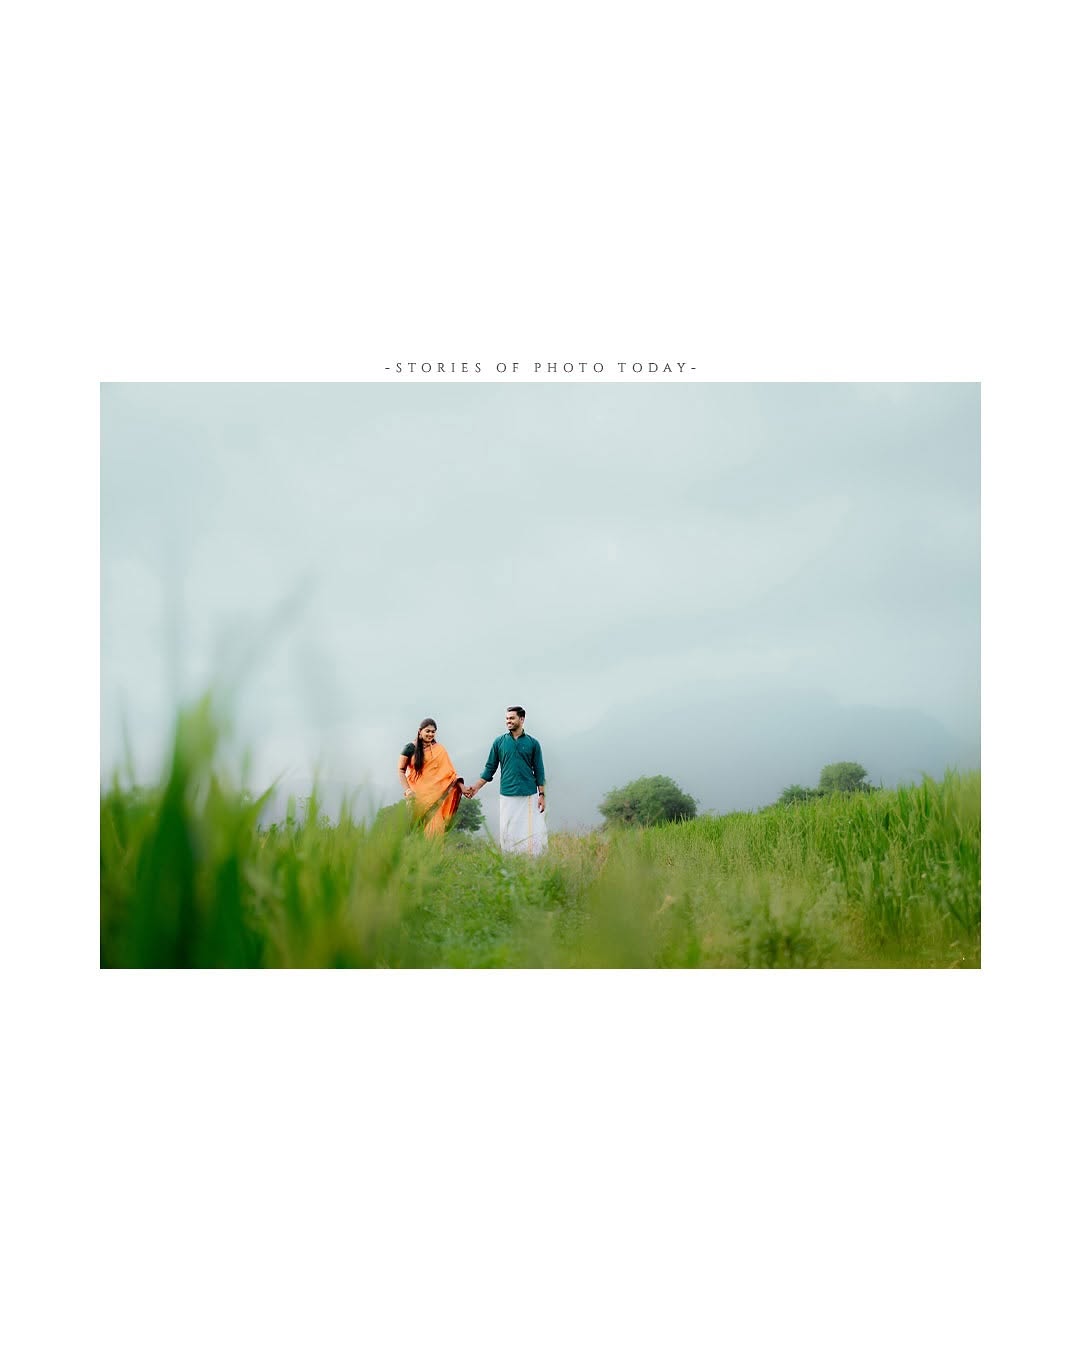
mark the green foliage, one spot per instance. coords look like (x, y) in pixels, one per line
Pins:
(850, 879)
(469, 816)
(647, 801)
(796, 793)
(844, 776)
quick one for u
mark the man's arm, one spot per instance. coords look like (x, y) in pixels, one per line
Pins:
(489, 770)
(538, 769)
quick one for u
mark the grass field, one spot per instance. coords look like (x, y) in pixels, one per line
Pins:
(889, 878)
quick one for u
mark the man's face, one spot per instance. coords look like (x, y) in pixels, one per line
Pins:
(514, 723)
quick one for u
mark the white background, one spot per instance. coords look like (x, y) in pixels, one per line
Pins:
(538, 1159)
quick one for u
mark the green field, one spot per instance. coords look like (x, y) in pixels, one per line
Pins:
(886, 878)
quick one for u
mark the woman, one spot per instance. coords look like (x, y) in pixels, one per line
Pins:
(429, 780)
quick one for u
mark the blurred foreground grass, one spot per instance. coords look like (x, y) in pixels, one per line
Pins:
(188, 878)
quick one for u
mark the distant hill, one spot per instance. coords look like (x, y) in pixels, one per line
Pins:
(735, 754)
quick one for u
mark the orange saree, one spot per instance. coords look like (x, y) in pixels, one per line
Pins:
(438, 790)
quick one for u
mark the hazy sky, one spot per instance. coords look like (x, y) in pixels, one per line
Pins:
(371, 554)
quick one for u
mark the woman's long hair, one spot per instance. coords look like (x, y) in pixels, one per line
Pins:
(418, 753)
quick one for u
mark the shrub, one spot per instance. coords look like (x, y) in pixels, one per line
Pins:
(469, 816)
(647, 801)
(844, 776)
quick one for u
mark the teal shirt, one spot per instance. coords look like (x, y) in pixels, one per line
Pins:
(520, 762)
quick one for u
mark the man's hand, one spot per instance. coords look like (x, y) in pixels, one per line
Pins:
(541, 794)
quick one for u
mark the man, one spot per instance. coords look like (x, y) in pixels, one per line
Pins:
(517, 755)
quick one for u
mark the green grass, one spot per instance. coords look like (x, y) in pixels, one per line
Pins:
(188, 878)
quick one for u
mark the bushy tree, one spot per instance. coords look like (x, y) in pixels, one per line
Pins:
(469, 816)
(647, 801)
(797, 793)
(844, 776)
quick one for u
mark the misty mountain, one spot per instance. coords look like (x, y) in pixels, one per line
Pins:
(737, 753)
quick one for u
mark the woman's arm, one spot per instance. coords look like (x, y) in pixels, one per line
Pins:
(402, 765)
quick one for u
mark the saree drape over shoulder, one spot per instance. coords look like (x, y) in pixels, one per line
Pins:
(438, 789)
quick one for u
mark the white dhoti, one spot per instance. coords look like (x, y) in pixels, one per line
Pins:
(522, 827)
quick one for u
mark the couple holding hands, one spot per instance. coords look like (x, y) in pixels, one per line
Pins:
(432, 785)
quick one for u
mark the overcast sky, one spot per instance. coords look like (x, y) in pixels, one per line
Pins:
(368, 555)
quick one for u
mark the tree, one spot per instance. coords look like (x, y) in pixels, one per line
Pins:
(469, 816)
(797, 793)
(845, 776)
(647, 801)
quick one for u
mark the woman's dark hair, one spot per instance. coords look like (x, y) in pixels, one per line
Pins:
(418, 753)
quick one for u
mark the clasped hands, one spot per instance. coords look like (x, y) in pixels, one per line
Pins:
(471, 792)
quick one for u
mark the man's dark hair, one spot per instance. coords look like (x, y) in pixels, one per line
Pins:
(514, 708)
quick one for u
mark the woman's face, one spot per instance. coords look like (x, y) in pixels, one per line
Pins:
(427, 735)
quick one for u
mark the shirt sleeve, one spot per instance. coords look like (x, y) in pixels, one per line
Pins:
(409, 750)
(492, 762)
(538, 765)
